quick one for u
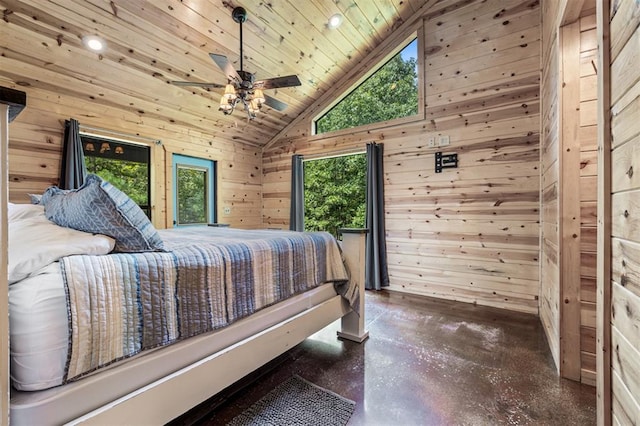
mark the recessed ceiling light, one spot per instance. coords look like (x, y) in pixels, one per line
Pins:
(335, 21)
(94, 43)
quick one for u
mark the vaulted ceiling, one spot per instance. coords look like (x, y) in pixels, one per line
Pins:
(150, 43)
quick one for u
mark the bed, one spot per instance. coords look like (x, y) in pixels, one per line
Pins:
(162, 323)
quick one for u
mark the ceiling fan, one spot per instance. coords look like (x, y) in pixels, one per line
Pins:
(241, 87)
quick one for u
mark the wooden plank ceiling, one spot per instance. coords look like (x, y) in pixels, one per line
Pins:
(150, 43)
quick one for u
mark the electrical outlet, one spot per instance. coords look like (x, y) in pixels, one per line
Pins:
(443, 141)
(431, 142)
(227, 210)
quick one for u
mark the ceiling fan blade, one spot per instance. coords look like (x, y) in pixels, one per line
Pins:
(226, 67)
(276, 82)
(274, 103)
(193, 83)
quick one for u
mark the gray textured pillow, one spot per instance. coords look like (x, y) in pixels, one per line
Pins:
(101, 208)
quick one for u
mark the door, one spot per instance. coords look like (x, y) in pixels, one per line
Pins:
(193, 191)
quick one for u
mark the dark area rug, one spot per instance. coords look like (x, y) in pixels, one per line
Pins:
(297, 402)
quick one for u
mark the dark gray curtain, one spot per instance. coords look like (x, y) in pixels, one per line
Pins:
(73, 171)
(376, 272)
(296, 215)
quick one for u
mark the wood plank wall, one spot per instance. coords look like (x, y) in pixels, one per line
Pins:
(625, 221)
(550, 168)
(93, 94)
(568, 175)
(472, 233)
(588, 197)
(35, 146)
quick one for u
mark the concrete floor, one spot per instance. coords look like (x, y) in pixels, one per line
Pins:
(429, 362)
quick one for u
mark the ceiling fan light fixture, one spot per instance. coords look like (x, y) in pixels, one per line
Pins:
(258, 96)
(242, 90)
(254, 106)
(226, 105)
(229, 92)
(334, 21)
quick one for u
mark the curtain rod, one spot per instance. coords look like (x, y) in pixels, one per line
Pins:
(126, 137)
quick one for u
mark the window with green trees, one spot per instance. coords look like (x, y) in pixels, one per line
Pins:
(126, 166)
(334, 193)
(335, 188)
(192, 194)
(389, 93)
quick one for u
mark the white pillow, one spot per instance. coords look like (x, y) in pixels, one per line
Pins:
(35, 242)
(24, 211)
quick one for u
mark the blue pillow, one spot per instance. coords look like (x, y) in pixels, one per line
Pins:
(101, 208)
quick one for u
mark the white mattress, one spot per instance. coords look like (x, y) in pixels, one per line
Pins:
(39, 330)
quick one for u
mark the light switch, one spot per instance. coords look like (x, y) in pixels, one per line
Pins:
(443, 141)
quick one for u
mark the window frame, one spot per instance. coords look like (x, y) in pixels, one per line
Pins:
(115, 137)
(196, 163)
(415, 32)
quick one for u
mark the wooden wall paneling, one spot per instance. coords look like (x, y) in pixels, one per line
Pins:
(625, 309)
(625, 408)
(588, 214)
(625, 72)
(125, 88)
(381, 50)
(588, 239)
(549, 303)
(588, 195)
(40, 130)
(588, 375)
(570, 203)
(626, 364)
(588, 138)
(603, 267)
(624, 23)
(588, 294)
(471, 233)
(588, 19)
(589, 88)
(588, 39)
(588, 161)
(625, 221)
(571, 10)
(623, 121)
(623, 161)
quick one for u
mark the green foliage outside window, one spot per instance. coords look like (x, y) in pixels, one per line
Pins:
(130, 177)
(334, 193)
(335, 188)
(192, 196)
(391, 92)
(125, 166)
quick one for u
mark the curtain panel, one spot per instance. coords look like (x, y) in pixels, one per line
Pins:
(73, 171)
(376, 271)
(296, 215)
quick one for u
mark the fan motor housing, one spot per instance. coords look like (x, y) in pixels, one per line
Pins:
(247, 79)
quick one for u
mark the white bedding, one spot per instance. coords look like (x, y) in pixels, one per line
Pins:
(38, 330)
(35, 241)
(38, 324)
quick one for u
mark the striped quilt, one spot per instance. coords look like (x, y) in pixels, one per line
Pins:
(121, 304)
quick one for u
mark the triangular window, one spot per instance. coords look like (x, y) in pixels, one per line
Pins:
(389, 93)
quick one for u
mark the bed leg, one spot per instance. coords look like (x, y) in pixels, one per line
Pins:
(353, 247)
